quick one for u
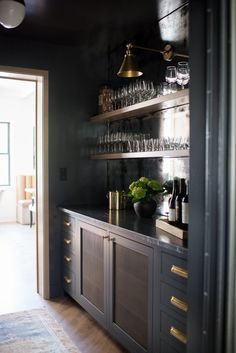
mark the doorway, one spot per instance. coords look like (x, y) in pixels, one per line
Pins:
(40, 80)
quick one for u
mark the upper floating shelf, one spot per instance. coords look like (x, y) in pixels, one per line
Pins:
(172, 100)
(151, 154)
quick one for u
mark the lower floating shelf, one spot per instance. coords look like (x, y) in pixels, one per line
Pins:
(151, 154)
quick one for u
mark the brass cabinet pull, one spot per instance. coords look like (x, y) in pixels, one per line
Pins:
(67, 279)
(111, 238)
(67, 258)
(68, 224)
(180, 336)
(105, 236)
(179, 271)
(67, 241)
(179, 303)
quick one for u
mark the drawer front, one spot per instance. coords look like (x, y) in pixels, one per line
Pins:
(174, 268)
(68, 223)
(68, 281)
(174, 299)
(167, 348)
(174, 331)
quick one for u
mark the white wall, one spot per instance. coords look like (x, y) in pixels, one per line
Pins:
(20, 112)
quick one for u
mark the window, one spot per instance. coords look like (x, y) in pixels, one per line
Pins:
(4, 154)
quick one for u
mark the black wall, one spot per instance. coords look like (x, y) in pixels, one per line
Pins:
(171, 25)
(73, 87)
(75, 75)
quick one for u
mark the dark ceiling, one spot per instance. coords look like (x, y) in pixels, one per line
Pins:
(77, 21)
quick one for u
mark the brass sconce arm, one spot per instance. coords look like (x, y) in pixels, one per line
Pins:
(168, 51)
(129, 67)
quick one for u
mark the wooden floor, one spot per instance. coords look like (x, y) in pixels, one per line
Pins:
(18, 292)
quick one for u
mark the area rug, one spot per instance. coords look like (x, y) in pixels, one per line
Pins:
(33, 331)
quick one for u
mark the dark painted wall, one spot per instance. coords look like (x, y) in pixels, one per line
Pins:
(75, 75)
(73, 86)
(172, 26)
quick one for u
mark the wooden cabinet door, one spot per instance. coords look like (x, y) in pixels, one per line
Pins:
(130, 296)
(92, 281)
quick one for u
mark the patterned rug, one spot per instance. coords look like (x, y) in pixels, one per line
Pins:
(33, 331)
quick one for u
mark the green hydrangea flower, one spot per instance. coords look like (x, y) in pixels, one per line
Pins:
(138, 192)
(144, 189)
(144, 180)
(154, 185)
(132, 185)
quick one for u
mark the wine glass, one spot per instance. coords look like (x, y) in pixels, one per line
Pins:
(183, 75)
(171, 74)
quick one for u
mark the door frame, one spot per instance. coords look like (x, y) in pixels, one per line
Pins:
(40, 77)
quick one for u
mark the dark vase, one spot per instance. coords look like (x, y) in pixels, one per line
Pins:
(145, 209)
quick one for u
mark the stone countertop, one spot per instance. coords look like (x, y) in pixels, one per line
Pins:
(139, 229)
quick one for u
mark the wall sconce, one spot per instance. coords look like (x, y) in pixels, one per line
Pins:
(12, 13)
(129, 66)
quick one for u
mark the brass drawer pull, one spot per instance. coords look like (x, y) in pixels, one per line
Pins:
(68, 224)
(179, 271)
(179, 303)
(67, 258)
(67, 241)
(105, 236)
(67, 280)
(180, 336)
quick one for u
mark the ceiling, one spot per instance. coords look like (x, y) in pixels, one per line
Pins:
(75, 21)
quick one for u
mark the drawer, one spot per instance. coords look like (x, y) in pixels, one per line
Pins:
(68, 281)
(174, 299)
(174, 331)
(174, 268)
(167, 348)
(68, 223)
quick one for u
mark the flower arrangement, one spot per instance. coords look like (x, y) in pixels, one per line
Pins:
(144, 189)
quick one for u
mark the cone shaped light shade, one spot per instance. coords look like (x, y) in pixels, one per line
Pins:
(12, 13)
(129, 66)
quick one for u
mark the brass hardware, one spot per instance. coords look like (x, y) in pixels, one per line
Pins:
(129, 66)
(180, 336)
(67, 279)
(67, 258)
(111, 239)
(68, 224)
(67, 241)
(105, 236)
(179, 303)
(179, 271)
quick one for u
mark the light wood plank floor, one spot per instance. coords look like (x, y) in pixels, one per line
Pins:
(18, 292)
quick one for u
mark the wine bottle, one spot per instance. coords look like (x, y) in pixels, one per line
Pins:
(172, 209)
(185, 209)
(178, 202)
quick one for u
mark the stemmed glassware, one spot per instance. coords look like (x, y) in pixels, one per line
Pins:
(183, 74)
(171, 74)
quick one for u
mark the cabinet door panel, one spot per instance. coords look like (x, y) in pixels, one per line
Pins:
(91, 289)
(92, 268)
(131, 291)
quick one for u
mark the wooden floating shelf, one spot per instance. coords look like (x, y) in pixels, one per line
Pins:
(154, 154)
(168, 101)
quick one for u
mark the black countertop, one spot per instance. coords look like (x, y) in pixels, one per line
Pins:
(139, 229)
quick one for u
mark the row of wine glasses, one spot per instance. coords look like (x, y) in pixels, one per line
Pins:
(179, 74)
(135, 92)
(121, 142)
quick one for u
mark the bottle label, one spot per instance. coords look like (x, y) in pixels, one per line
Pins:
(172, 215)
(185, 214)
